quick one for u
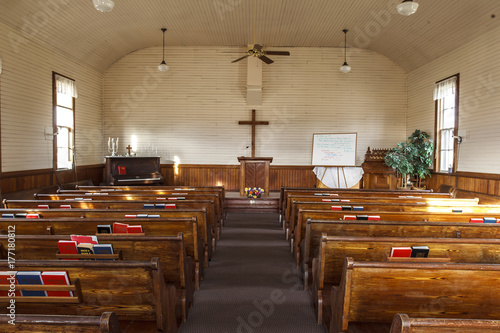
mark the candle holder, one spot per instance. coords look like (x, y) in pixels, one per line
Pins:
(113, 146)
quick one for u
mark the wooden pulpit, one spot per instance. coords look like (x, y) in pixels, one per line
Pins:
(254, 172)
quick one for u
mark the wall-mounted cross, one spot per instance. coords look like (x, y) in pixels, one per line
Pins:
(253, 123)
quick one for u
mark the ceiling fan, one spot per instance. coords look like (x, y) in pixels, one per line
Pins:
(257, 50)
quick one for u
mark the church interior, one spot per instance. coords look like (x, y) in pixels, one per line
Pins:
(259, 123)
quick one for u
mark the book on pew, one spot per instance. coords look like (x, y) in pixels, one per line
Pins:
(142, 216)
(79, 239)
(56, 278)
(345, 200)
(476, 220)
(490, 220)
(169, 206)
(32, 216)
(362, 217)
(349, 217)
(401, 251)
(8, 216)
(159, 206)
(134, 229)
(104, 229)
(358, 208)
(43, 206)
(420, 251)
(120, 228)
(122, 170)
(30, 277)
(153, 216)
(21, 215)
(373, 218)
(336, 208)
(103, 249)
(85, 249)
(5, 279)
(130, 216)
(65, 206)
(148, 206)
(67, 247)
(346, 208)
(456, 210)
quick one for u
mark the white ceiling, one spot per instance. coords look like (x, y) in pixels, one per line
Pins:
(99, 39)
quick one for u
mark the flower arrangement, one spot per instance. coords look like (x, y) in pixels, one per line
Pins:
(255, 192)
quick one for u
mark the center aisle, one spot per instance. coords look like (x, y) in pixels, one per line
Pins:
(251, 284)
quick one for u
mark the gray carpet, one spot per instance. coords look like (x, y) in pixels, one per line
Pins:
(251, 285)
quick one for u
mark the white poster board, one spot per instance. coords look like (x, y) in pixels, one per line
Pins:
(334, 149)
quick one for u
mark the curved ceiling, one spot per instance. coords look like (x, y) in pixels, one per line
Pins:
(99, 39)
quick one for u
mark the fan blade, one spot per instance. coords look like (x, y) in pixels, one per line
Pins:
(265, 59)
(285, 53)
(257, 47)
(239, 59)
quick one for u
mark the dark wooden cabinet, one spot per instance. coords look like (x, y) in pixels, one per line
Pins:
(377, 175)
(133, 171)
(254, 172)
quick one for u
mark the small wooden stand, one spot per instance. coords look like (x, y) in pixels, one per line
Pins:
(254, 172)
(416, 259)
(75, 288)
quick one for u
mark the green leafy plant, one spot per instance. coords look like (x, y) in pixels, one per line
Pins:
(412, 157)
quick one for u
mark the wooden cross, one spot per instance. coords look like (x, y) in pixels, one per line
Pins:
(129, 149)
(253, 123)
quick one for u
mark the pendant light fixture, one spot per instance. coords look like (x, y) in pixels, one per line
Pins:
(163, 67)
(345, 68)
(407, 7)
(104, 6)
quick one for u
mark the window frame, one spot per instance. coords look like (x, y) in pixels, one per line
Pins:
(55, 127)
(437, 131)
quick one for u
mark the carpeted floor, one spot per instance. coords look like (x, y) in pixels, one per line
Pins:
(251, 285)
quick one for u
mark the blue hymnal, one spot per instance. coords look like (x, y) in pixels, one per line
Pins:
(30, 277)
(10, 216)
(103, 249)
(490, 220)
(358, 208)
(149, 206)
(160, 206)
(456, 211)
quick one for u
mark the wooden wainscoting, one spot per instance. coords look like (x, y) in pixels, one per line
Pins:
(487, 183)
(229, 176)
(44, 178)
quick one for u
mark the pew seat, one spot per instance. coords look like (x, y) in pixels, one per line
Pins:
(402, 323)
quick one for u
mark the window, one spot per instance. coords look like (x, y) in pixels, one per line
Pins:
(446, 102)
(64, 94)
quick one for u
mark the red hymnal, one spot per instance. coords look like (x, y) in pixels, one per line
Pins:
(401, 251)
(169, 206)
(84, 239)
(56, 278)
(120, 228)
(134, 229)
(373, 218)
(67, 247)
(476, 220)
(5, 279)
(122, 170)
(336, 208)
(349, 217)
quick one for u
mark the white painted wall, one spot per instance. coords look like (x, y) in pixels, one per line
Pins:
(192, 111)
(26, 103)
(478, 63)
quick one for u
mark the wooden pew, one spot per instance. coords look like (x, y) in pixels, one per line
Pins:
(286, 191)
(204, 230)
(402, 323)
(177, 267)
(151, 227)
(327, 266)
(143, 196)
(120, 204)
(316, 228)
(107, 322)
(216, 195)
(404, 199)
(388, 206)
(371, 293)
(303, 215)
(134, 290)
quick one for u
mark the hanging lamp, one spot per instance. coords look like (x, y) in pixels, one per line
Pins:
(407, 7)
(345, 68)
(104, 6)
(163, 67)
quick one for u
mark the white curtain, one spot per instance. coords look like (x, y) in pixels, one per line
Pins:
(66, 86)
(445, 88)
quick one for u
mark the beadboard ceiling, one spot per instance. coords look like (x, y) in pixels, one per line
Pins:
(99, 39)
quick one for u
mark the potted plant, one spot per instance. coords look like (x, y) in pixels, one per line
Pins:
(412, 158)
(399, 158)
(422, 158)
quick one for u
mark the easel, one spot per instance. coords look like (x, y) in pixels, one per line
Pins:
(338, 175)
